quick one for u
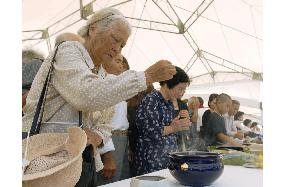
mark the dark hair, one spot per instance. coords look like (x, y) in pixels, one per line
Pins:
(246, 122)
(125, 63)
(253, 124)
(179, 77)
(238, 115)
(211, 98)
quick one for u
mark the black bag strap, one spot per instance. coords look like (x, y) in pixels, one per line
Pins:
(35, 128)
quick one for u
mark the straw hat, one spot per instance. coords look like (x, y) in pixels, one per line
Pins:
(55, 158)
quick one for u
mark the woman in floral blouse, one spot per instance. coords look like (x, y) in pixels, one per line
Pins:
(156, 125)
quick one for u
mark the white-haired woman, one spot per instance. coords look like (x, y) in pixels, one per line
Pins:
(74, 85)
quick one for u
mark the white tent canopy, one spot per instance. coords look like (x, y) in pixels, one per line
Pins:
(223, 40)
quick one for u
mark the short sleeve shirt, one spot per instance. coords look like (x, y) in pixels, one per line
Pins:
(216, 125)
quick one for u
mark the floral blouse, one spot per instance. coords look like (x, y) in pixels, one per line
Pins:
(153, 114)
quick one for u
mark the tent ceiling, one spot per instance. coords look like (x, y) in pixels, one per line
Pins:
(230, 30)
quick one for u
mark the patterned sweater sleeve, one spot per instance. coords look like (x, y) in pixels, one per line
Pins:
(82, 89)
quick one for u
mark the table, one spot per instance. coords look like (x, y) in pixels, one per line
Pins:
(233, 176)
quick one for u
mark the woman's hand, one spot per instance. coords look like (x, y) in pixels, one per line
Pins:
(160, 71)
(180, 124)
(93, 138)
(109, 165)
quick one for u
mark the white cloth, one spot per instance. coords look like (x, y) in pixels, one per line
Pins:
(241, 126)
(108, 146)
(253, 178)
(256, 131)
(119, 122)
(230, 125)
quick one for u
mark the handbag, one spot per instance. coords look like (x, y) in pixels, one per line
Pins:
(37, 120)
(88, 152)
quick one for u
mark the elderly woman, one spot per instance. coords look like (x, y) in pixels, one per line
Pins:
(74, 85)
(157, 126)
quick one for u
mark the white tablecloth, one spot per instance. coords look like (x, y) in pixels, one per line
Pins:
(233, 176)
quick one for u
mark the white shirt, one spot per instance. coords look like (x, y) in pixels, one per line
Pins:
(119, 122)
(230, 125)
(243, 128)
(199, 119)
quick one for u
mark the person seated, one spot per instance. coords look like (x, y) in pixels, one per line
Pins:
(206, 114)
(238, 121)
(201, 102)
(239, 116)
(157, 125)
(215, 131)
(254, 128)
(231, 127)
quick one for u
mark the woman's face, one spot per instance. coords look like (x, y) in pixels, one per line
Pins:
(241, 118)
(106, 45)
(213, 104)
(178, 91)
(114, 67)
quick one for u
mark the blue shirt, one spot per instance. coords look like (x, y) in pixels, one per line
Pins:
(153, 114)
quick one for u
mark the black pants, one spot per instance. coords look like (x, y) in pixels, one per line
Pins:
(88, 176)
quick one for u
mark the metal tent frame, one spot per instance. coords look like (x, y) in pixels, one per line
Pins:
(175, 26)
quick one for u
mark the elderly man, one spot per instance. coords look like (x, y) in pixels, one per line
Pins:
(215, 130)
(75, 91)
(231, 127)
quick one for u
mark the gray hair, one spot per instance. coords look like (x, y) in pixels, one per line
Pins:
(103, 19)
